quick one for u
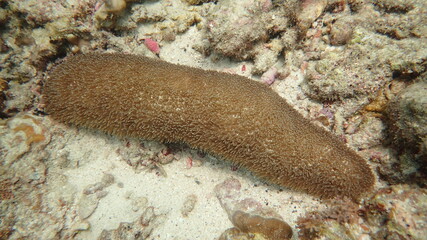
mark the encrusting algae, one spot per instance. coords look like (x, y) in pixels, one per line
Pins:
(227, 115)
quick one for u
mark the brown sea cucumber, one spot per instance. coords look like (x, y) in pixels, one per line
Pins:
(227, 115)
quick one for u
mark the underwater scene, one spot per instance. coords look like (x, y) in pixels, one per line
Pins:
(213, 119)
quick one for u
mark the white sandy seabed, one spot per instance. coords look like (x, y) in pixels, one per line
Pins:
(167, 194)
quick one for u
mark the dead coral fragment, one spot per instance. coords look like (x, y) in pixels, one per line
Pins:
(110, 7)
(139, 229)
(310, 10)
(341, 31)
(189, 204)
(108, 10)
(271, 228)
(237, 29)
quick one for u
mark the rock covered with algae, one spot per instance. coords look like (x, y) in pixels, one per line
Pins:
(244, 30)
(408, 116)
(391, 213)
(407, 120)
(248, 216)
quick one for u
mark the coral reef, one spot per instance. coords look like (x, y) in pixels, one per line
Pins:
(25, 194)
(397, 212)
(160, 21)
(334, 76)
(407, 114)
(355, 67)
(392, 213)
(37, 32)
(308, 12)
(401, 19)
(340, 217)
(242, 30)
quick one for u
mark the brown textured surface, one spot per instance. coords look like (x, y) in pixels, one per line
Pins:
(271, 228)
(227, 115)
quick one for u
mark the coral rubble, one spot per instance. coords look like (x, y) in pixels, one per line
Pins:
(392, 213)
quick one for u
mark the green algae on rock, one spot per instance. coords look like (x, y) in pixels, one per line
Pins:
(227, 115)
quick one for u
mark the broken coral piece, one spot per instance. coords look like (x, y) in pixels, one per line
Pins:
(106, 11)
(270, 76)
(310, 10)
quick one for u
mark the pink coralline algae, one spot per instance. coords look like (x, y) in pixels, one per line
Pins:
(152, 45)
(270, 76)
